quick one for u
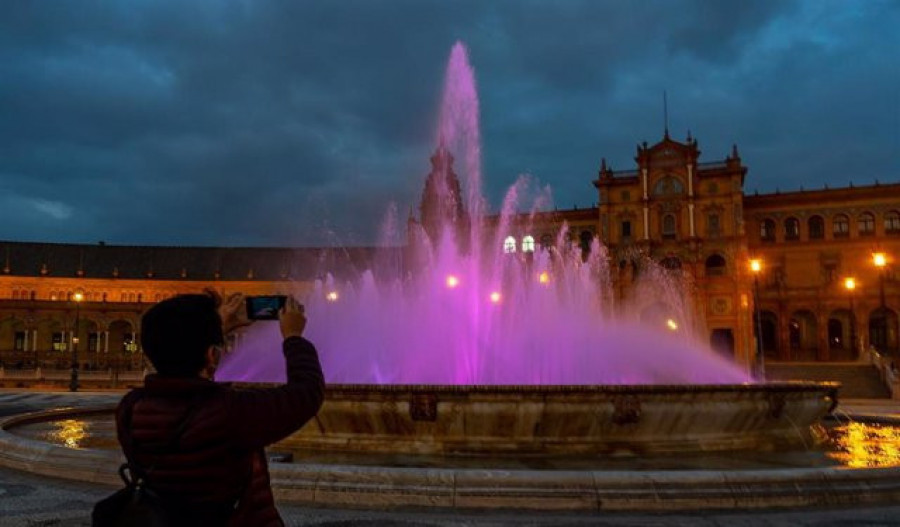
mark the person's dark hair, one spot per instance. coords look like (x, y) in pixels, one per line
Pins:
(176, 333)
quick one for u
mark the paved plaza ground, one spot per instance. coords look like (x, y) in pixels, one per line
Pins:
(28, 500)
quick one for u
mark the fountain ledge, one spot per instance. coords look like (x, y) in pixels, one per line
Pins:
(570, 490)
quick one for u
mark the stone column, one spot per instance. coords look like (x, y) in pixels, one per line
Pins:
(784, 336)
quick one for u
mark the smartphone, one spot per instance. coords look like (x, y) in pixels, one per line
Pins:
(264, 307)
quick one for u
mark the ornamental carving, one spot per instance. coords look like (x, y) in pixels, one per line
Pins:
(423, 407)
(626, 410)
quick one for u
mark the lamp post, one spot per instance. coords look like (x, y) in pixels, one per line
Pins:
(850, 286)
(879, 259)
(756, 265)
(77, 296)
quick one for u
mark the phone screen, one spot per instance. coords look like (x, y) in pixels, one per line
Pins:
(264, 307)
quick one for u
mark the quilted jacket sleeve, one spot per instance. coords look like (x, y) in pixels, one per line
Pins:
(265, 415)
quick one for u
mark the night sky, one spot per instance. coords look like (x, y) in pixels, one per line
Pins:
(298, 122)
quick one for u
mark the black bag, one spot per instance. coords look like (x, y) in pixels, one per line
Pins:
(134, 506)
(137, 505)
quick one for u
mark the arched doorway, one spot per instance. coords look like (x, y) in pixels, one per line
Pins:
(769, 324)
(13, 353)
(841, 336)
(87, 343)
(803, 333)
(52, 350)
(721, 340)
(883, 330)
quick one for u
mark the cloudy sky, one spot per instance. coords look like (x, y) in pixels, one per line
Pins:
(298, 122)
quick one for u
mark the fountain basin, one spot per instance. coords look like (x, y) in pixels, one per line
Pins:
(583, 486)
(564, 420)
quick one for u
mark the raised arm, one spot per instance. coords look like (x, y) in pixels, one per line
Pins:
(264, 416)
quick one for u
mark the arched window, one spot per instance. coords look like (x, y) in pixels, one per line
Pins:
(672, 263)
(816, 226)
(586, 237)
(668, 186)
(767, 230)
(509, 245)
(15, 294)
(791, 229)
(866, 224)
(546, 241)
(668, 227)
(840, 226)
(712, 225)
(892, 222)
(528, 244)
(715, 265)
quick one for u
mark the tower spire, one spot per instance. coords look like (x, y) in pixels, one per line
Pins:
(665, 114)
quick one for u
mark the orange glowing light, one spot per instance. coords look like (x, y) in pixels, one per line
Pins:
(879, 259)
(671, 324)
(332, 296)
(452, 281)
(77, 296)
(544, 278)
(756, 265)
(71, 432)
(850, 283)
(495, 297)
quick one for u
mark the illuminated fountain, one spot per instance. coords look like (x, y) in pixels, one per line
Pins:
(471, 345)
(468, 373)
(464, 308)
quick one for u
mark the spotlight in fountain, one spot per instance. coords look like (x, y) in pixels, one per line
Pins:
(495, 297)
(452, 281)
(544, 278)
(671, 324)
(332, 296)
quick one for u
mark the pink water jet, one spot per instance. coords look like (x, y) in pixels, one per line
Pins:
(462, 310)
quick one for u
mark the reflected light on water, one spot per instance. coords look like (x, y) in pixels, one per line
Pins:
(860, 445)
(71, 432)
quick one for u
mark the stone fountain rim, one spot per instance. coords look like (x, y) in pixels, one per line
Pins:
(463, 489)
(778, 386)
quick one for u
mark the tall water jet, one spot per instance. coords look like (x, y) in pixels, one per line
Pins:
(469, 308)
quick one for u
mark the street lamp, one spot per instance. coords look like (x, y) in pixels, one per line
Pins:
(879, 259)
(77, 296)
(850, 286)
(756, 266)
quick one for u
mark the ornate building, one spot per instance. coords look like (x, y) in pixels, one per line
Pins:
(689, 216)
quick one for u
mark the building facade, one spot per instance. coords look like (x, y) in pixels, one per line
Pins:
(688, 216)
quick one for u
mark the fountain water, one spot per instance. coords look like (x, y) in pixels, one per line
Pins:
(462, 309)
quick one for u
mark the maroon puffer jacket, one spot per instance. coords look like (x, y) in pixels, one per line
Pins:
(219, 459)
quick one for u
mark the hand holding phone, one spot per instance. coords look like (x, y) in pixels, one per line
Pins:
(292, 319)
(265, 307)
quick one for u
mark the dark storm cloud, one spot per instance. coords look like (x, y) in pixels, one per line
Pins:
(291, 123)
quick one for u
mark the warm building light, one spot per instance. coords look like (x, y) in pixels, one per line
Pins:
(332, 296)
(879, 259)
(756, 265)
(78, 296)
(850, 283)
(495, 297)
(544, 277)
(671, 324)
(452, 281)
